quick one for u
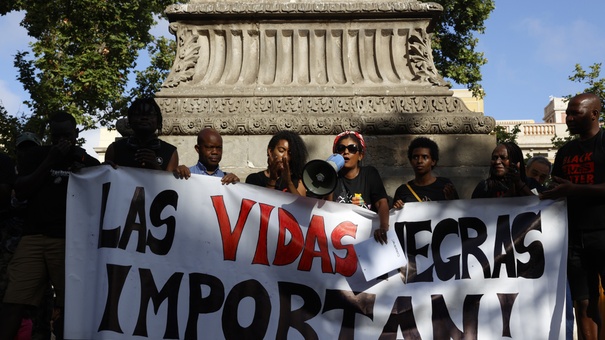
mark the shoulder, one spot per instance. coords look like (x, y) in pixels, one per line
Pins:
(167, 146)
(443, 180)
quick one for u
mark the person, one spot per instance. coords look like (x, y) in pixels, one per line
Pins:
(286, 156)
(423, 154)
(537, 171)
(360, 185)
(40, 255)
(209, 148)
(143, 149)
(579, 175)
(506, 174)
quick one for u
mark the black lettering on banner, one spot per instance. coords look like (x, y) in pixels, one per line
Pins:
(351, 303)
(149, 291)
(412, 250)
(522, 225)
(504, 242)
(111, 238)
(116, 276)
(443, 326)
(470, 245)
(451, 268)
(297, 319)
(137, 208)
(108, 238)
(161, 201)
(506, 305)
(198, 305)
(402, 316)
(232, 329)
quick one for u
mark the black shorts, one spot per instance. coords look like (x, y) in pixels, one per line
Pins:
(586, 263)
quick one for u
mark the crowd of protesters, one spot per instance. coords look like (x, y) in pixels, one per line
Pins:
(33, 189)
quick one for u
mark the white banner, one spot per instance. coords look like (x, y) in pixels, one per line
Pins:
(151, 256)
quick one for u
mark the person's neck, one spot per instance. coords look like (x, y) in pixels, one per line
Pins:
(425, 179)
(350, 173)
(145, 137)
(209, 169)
(590, 133)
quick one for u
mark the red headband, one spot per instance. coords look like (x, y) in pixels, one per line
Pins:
(347, 133)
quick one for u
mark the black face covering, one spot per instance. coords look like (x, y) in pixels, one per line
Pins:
(153, 144)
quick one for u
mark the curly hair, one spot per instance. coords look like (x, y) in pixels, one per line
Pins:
(297, 149)
(423, 142)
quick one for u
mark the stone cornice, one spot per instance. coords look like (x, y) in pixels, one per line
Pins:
(274, 8)
(322, 115)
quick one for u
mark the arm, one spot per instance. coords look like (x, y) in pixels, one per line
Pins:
(382, 206)
(564, 188)
(26, 185)
(174, 161)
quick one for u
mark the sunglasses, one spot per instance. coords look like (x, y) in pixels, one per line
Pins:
(340, 148)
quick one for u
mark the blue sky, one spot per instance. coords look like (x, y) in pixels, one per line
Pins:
(531, 47)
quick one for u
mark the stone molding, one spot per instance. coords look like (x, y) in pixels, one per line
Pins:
(322, 115)
(289, 8)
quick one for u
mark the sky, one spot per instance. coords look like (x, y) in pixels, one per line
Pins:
(532, 48)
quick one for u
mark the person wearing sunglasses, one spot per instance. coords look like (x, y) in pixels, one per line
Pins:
(360, 185)
(507, 176)
(286, 156)
(423, 154)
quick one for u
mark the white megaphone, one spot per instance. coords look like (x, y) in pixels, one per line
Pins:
(320, 177)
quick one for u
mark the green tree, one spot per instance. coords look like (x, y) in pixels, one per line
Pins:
(84, 52)
(455, 43)
(504, 136)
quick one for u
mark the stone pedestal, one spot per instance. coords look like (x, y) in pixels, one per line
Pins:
(250, 69)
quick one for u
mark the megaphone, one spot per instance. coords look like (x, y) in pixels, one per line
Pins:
(320, 177)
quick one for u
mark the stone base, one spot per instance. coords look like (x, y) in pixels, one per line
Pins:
(463, 158)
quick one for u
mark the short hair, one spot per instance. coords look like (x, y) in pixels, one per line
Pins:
(146, 105)
(423, 142)
(298, 151)
(539, 159)
(61, 116)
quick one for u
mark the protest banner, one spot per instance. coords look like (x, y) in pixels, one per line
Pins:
(152, 256)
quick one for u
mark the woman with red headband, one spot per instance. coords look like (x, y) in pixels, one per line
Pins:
(360, 185)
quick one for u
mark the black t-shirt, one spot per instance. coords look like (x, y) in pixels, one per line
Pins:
(124, 150)
(583, 162)
(260, 179)
(368, 184)
(46, 205)
(431, 192)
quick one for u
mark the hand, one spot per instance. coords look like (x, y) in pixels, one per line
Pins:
(275, 167)
(60, 151)
(113, 165)
(380, 235)
(512, 174)
(449, 191)
(182, 172)
(559, 187)
(229, 179)
(147, 159)
(398, 204)
(357, 200)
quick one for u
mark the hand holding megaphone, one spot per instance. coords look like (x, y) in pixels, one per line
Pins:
(320, 177)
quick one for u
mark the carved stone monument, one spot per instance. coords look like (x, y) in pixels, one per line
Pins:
(250, 68)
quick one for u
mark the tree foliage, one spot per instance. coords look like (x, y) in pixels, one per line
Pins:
(502, 135)
(82, 55)
(84, 52)
(455, 43)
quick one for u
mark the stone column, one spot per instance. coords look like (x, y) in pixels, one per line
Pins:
(252, 68)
